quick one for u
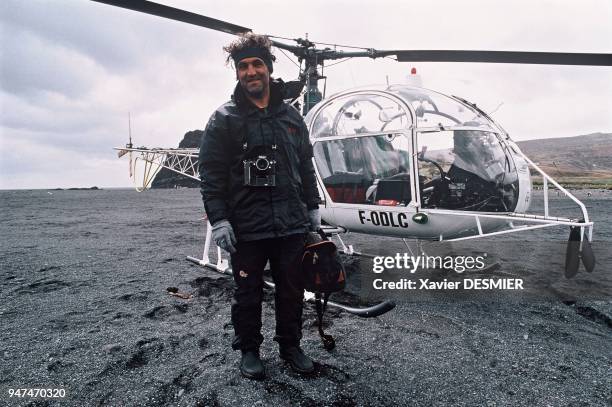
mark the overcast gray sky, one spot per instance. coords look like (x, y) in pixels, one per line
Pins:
(73, 69)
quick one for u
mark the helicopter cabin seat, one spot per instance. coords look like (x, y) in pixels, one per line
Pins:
(393, 191)
(347, 187)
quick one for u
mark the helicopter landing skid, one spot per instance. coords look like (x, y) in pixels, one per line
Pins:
(347, 249)
(334, 231)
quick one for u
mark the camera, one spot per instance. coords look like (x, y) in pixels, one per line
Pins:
(260, 172)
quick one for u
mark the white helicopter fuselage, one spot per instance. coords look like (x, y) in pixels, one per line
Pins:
(384, 141)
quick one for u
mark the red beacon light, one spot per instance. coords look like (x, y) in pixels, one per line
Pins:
(414, 79)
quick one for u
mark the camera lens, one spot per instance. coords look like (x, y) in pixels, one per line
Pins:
(262, 163)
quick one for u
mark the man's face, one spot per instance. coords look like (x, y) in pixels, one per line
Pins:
(254, 76)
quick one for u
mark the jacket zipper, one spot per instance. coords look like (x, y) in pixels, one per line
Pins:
(269, 189)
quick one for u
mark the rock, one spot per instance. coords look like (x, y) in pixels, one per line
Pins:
(170, 179)
(111, 348)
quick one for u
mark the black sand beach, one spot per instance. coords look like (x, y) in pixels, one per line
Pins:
(85, 308)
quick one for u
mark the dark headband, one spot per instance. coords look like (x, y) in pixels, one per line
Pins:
(250, 52)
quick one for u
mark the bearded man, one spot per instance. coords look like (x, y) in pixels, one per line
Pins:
(260, 195)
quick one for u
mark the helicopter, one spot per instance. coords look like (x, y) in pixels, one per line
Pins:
(401, 161)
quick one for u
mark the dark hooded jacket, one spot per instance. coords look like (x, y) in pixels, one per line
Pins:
(239, 131)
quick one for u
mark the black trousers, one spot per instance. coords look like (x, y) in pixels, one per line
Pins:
(284, 254)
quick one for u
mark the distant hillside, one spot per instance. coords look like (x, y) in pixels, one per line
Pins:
(588, 156)
(579, 159)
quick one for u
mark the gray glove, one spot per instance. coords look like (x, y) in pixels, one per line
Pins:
(223, 235)
(315, 219)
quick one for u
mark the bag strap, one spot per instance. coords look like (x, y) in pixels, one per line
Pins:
(328, 341)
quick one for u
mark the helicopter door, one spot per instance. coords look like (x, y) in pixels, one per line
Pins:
(466, 169)
(368, 169)
(435, 157)
(367, 180)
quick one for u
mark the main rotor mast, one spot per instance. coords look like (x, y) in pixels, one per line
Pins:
(312, 58)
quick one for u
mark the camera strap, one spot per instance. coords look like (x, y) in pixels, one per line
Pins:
(245, 140)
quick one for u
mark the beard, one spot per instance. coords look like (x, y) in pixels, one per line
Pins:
(256, 93)
(254, 89)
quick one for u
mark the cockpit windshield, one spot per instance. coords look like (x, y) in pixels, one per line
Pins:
(466, 170)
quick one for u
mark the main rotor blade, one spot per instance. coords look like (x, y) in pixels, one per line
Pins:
(172, 13)
(508, 57)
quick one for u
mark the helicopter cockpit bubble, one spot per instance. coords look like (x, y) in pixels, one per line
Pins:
(362, 141)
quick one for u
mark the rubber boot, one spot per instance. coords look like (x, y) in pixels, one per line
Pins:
(251, 365)
(298, 361)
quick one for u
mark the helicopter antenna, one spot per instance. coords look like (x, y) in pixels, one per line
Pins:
(496, 109)
(129, 130)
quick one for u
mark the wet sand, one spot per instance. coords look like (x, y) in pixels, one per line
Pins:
(84, 307)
